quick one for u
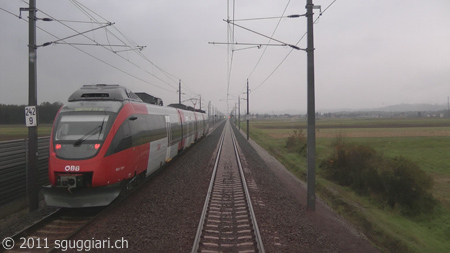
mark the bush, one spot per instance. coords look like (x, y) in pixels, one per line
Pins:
(296, 143)
(354, 166)
(397, 181)
(406, 184)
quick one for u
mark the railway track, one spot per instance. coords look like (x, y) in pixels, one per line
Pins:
(228, 222)
(45, 235)
(65, 223)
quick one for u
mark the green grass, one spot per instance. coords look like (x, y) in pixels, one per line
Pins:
(431, 153)
(387, 228)
(13, 132)
(346, 123)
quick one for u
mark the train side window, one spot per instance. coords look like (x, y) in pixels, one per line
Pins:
(162, 132)
(136, 132)
(122, 139)
(149, 128)
(176, 131)
(157, 127)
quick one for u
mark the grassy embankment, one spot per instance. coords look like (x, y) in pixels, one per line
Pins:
(425, 141)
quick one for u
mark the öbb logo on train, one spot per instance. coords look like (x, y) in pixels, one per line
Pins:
(72, 168)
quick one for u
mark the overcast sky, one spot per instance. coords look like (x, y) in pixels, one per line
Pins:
(368, 54)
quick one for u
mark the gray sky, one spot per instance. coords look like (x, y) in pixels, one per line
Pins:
(368, 54)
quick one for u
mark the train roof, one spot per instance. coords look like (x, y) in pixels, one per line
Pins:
(185, 107)
(104, 92)
(149, 99)
(115, 92)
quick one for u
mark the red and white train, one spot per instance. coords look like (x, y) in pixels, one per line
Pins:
(107, 136)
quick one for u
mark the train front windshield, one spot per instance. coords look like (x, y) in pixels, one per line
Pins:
(80, 135)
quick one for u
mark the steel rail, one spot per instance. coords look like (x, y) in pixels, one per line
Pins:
(258, 239)
(208, 197)
(70, 220)
(213, 238)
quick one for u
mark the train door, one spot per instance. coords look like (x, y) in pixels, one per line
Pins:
(157, 141)
(187, 141)
(169, 137)
(203, 125)
(183, 130)
(195, 126)
(140, 152)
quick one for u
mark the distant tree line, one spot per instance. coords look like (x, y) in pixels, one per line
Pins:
(15, 114)
(383, 114)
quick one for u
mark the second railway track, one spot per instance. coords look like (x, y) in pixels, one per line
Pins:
(58, 226)
(228, 223)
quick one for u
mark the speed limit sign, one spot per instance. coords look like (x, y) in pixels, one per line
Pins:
(30, 116)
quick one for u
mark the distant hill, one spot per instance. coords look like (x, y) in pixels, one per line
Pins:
(386, 109)
(396, 108)
(410, 107)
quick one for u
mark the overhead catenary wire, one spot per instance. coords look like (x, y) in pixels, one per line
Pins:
(161, 75)
(86, 11)
(284, 59)
(79, 33)
(17, 16)
(83, 8)
(276, 68)
(88, 44)
(273, 33)
(322, 12)
(279, 41)
(81, 22)
(229, 52)
(253, 19)
(90, 55)
(173, 78)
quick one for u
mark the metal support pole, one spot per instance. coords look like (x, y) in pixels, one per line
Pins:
(239, 112)
(179, 92)
(248, 112)
(311, 131)
(209, 110)
(235, 114)
(32, 184)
